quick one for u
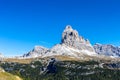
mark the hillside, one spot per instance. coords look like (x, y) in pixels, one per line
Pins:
(8, 76)
(52, 69)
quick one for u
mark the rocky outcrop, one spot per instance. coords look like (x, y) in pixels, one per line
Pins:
(107, 50)
(71, 45)
(72, 39)
(70, 36)
(37, 51)
(51, 67)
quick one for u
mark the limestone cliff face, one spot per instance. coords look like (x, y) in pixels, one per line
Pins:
(71, 45)
(37, 51)
(107, 50)
(71, 38)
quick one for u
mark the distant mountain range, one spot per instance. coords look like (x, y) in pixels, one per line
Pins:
(74, 45)
(107, 50)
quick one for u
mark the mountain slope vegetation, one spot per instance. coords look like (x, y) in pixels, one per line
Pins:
(64, 70)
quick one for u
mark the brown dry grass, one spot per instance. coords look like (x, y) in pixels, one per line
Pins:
(64, 58)
(22, 61)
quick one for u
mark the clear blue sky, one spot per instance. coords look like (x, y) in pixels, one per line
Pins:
(26, 23)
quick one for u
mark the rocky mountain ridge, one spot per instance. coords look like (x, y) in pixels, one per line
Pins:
(71, 45)
(107, 50)
(37, 51)
(72, 39)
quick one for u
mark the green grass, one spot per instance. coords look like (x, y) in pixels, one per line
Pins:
(8, 76)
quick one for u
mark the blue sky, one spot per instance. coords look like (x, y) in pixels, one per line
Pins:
(26, 23)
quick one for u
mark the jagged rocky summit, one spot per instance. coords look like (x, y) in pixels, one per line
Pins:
(37, 51)
(107, 50)
(72, 39)
(71, 45)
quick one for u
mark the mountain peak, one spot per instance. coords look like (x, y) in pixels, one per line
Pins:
(37, 51)
(107, 50)
(69, 34)
(71, 44)
(71, 38)
(68, 27)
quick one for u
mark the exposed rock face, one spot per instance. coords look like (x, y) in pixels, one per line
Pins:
(71, 45)
(70, 36)
(107, 50)
(51, 67)
(37, 51)
(113, 65)
(61, 50)
(72, 39)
